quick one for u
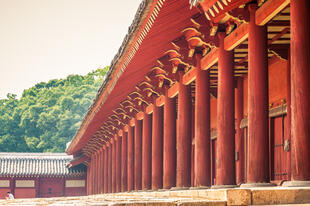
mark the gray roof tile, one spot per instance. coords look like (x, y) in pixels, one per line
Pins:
(37, 164)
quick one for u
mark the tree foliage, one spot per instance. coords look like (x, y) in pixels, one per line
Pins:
(48, 114)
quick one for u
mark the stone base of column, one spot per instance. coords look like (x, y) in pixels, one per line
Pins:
(162, 190)
(296, 184)
(257, 184)
(223, 186)
(179, 188)
(200, 188)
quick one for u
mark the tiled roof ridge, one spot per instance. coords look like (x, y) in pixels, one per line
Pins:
(35, 156)
(35, 153)
(42, 164)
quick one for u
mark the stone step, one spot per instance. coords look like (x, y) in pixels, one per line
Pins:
(110, 202)
(236, 196)
(306, 204)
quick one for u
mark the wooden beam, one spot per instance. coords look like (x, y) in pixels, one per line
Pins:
(160, 101)
(132, 122)
(174, 90)
(207, 4)
(189, 76)
(149, 109)
(120, 132)
(269, 10)
(236, 37)
(139, 116)
(210, 59)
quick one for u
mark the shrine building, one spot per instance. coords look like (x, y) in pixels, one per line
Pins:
(30, 175)
(203, 93)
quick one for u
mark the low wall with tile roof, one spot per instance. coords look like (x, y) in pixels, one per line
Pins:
(29, 175)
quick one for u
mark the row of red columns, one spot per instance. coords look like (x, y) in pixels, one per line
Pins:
(156, 152)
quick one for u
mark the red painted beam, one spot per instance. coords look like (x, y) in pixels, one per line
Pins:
(132, 122)
(160, 101)
(189, 76)
(210, 59)
(78, 161)
(149, 109)
(139, 116)
(174, 90)
(236, 37)
(207, 4)
(269, 10)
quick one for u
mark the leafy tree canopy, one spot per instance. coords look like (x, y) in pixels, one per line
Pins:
(48, 114)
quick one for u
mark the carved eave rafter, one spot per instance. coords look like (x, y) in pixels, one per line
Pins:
(120, 112)
(217, 10)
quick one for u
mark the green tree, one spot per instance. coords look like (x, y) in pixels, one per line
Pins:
(48, 114)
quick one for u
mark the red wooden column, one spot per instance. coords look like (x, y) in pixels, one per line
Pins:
(184, 136)
(258, 132)
(239, 141)
(300, 95)
(105, 181)
(124, 162)
(118, 163)
(138, 154)
(288, 115)
(146, 152)
(114, 164)
(90, 178)
(100, 174)
(157, 148)
(92, 175)
(202, 166)
(87, 180)
(169, 179)
(225, 150)
(99, 171)
(103, 168)
(96, 174)
(109, 167)
(130, 159)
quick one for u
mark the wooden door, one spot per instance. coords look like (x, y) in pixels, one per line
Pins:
(279, 149)
(51, 187)
(213, 159)
(246, 152)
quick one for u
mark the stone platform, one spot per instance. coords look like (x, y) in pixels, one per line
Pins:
(203, 197)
